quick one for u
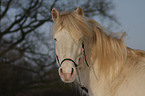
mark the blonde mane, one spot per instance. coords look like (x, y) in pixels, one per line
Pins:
(75, 24)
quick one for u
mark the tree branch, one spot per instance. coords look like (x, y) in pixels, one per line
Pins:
(41, 22)
(52, 6)
(6, 9)
(25, 14)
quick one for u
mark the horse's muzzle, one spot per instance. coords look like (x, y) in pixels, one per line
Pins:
(67, 77)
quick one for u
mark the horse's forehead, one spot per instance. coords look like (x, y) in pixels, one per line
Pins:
(67, 35)
(62, 34)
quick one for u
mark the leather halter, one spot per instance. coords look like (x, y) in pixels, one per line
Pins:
(69, 59)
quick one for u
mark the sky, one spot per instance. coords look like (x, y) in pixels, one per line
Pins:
(131, 15)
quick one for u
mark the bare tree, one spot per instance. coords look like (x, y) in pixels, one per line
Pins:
(26, 53)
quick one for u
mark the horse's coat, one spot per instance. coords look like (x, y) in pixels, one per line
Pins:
(114, 69)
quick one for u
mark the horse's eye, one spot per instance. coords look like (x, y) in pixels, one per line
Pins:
(55, 39)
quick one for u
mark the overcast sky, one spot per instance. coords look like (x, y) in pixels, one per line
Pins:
(131, 15)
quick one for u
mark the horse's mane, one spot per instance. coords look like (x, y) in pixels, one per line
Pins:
(77, 26)
(110, 51)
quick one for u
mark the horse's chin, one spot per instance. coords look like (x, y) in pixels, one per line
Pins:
(68, 81)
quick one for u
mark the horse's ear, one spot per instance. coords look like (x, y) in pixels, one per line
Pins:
(80, 11)
(54, 14)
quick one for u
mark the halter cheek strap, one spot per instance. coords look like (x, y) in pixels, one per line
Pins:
(85, 54)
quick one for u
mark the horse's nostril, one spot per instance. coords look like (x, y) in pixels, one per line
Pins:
(72, 71)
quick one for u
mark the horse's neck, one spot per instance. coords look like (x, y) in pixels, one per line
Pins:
(86, 74)
(89, 79)
(89, 76)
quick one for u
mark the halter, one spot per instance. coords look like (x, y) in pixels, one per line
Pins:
(69, 59)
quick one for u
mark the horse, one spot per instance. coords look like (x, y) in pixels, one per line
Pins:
(95, 59)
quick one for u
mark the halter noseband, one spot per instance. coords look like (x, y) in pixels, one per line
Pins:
(69, 59)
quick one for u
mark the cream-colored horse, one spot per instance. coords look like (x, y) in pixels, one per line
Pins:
(94, 59)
